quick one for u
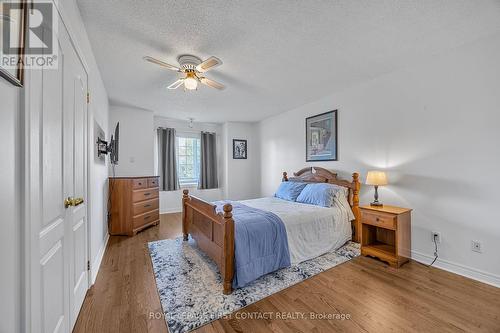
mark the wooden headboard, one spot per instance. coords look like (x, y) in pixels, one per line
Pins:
(321, 175)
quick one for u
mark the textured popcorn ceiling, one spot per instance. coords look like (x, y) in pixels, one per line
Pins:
(277, 54)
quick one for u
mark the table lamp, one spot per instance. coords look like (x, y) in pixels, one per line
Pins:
(376, 178)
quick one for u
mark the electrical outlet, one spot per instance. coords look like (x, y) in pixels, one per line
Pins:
(436, 236)
(476, 246)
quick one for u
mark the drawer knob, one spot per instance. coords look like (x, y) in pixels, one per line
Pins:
(377, 219)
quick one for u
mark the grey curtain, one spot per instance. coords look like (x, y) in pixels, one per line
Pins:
(167, 165)
(208, 167)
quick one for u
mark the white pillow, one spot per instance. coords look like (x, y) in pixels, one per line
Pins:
(341, 198)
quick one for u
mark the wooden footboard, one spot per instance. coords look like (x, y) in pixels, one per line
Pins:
(213, 232)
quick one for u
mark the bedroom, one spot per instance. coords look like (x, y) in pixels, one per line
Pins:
(299, 114)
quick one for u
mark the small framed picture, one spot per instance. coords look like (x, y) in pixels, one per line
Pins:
(239, 149)
(321, 137)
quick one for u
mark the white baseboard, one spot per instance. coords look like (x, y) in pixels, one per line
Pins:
(459, 269)
(94, 269)
(171, 210)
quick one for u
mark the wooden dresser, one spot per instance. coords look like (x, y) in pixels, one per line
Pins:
(134, 204)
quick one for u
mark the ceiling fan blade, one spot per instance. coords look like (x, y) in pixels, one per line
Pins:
(176, 84)
(161, 63)
(209, 64)
(212, 83)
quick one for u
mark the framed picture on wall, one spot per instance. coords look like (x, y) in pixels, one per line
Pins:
(13, 19)
(239, 149)
(321, 137)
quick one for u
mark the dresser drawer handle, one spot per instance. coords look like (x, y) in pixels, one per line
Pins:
(146, 194)
(146, 206)
(377, 219)
(139, 184)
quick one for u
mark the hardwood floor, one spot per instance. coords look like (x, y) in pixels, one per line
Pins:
(377, 298)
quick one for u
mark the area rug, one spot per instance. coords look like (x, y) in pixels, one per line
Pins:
(190, 286)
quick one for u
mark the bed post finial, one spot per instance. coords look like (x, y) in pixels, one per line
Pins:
(185, 198)
(285, 177)
(355, 207)
(228, 209)
(228, 271)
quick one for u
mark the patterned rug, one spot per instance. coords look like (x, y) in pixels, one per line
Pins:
(190, 286)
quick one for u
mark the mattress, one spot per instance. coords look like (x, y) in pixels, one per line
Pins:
(311, 230)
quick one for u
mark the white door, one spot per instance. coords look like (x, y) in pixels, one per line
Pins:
(58, 275)
(75, 103)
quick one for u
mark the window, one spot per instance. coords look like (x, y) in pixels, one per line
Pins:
(188, 159)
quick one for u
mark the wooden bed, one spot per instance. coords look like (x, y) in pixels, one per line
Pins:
(214, 232)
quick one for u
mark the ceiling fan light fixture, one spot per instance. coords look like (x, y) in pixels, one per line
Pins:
(191, 68)
(190, 83)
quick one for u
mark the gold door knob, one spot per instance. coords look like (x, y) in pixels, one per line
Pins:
(78, 201)
(69, 201)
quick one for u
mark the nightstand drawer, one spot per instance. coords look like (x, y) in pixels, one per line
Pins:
(386, 221)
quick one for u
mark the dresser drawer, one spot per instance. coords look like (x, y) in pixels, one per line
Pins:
(139, 183)
(141, 195)
(152, 182)
(144, 206)
(387, 221)
(140, 220)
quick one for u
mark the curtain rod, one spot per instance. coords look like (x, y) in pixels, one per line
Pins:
(187, 131)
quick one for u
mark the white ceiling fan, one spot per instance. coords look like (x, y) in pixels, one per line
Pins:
(192, 69)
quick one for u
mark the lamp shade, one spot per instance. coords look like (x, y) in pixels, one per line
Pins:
(376, 178)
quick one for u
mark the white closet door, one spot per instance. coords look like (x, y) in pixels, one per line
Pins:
(58, 274)
(75, 102)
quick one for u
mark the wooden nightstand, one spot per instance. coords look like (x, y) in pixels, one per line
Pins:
(386, 233)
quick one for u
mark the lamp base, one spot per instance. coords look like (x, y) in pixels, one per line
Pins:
(375, 202)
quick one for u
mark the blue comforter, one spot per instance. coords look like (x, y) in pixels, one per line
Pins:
(260, 243)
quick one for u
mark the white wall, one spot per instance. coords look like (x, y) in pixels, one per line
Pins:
(242, 177)
(136, 140)
(97, 186)
(434, 128)
(170, 201)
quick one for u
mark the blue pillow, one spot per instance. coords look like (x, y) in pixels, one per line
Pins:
(289, 190)
(320, 194)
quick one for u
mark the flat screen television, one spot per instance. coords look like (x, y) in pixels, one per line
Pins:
(114, 145)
